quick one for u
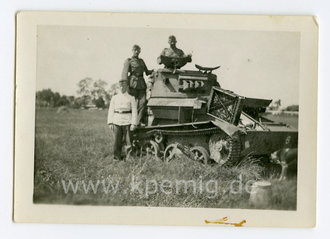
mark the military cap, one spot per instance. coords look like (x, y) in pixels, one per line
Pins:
(121, 81)
(172, 37)
(136, 47)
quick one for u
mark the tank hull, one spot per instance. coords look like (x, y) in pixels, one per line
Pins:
(188, 111)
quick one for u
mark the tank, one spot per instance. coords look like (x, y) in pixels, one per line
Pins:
(190, 113)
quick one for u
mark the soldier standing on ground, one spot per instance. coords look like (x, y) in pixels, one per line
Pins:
(122, 118)
(134, 68)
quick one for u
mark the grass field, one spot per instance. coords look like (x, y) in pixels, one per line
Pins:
(75, 147)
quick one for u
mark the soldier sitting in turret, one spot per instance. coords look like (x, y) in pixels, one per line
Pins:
(173, 57)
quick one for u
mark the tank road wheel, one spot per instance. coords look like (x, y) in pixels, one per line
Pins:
(134, 151)
(171, 152)
(224, 148)
(200, 154)
(150, 148)
(158, 137)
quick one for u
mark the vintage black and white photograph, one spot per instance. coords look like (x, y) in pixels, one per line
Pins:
(164, 117)
(168, 117)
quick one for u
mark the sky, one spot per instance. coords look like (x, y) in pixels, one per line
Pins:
(259, 64)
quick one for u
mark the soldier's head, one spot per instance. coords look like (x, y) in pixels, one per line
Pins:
(172, 40)
(123, 85)
(136, 49)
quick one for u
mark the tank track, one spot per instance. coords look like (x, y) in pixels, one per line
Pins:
(235, 151)
(212, 130)
(234, 142)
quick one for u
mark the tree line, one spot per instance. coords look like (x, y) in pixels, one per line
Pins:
(91, 93)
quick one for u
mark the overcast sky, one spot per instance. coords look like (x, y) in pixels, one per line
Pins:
(254, 64)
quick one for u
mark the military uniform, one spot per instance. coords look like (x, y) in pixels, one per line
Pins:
(169, 52)
(122, 114)
(133, 71)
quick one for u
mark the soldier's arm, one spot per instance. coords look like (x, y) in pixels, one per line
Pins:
(148, 72)
(126, 69)
(159, 59)
(163, 53)
(187, 57)
(181, 53)
(111, 111)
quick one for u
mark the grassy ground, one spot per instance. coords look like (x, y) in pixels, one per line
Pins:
(75, 147)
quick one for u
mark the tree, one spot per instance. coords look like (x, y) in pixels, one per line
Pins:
(92, 91)
(56, 100)
(44, 98)
(109, 93)
(99, 103)
(63, 101)
(85, 86)
(48, 98)
(71, 100)
(99, 91)
(113, 89)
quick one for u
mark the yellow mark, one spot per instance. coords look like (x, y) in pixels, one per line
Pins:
(224, 222)
(277, 18)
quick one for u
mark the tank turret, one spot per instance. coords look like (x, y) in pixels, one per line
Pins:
(179, 96)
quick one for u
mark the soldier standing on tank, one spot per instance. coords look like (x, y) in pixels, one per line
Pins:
(122, 119)
(133, 71)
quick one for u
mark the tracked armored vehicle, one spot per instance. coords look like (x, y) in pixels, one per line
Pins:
(189, 112)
